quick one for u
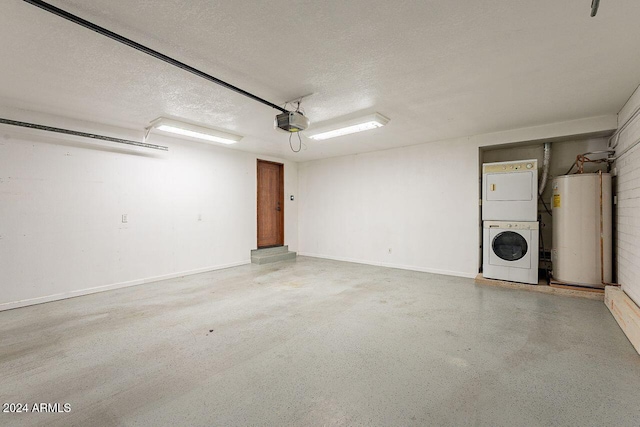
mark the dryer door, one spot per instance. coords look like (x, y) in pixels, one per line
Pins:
(510, 248)
(509, 187)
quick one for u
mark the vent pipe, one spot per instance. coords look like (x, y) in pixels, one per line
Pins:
(546, 161)
(594, 7)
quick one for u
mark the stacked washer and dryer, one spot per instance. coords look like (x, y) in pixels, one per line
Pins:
(509, 218)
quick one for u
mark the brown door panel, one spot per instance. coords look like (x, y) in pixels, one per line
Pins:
(270, 177)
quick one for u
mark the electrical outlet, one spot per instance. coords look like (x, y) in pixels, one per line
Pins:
(291, 197)
(389, 250)
(199, 217)
(125, 218)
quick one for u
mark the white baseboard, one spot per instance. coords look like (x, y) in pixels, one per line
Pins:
(392, 265)
(80, 292)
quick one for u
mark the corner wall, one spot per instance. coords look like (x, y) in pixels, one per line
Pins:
(627, 210)
(422, 201)
(62, 198)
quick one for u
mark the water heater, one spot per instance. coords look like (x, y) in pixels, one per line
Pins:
(582, 229)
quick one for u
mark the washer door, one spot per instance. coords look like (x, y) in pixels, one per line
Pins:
(510, 248)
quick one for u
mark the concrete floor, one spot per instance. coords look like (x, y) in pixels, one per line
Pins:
(318, 342)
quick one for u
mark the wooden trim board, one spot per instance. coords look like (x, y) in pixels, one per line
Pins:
(560, 285)
(541, 287)
(626, 313)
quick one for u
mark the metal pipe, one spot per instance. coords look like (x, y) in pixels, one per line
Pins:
(545, 167)
(121, 39)
(599, 152)
(613, 159)
(616, 134)
(609, 159)
(602, 236)
(82, 134)
(601, 232)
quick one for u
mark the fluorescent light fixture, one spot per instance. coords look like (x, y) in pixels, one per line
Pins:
(372, 121)
(193, 131)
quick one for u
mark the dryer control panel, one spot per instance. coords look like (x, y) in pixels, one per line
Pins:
(506, 167)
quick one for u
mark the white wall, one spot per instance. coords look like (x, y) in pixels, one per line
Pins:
(420, 201)
(627, 211)
(358, 207)
(62, 198)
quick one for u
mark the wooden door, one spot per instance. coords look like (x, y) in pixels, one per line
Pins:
(270, 204)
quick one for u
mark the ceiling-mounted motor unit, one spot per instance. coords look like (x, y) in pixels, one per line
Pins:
(293, 121)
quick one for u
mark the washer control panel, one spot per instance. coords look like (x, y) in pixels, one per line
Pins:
(506, 225)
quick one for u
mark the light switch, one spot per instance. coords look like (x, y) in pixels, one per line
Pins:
(124, 218)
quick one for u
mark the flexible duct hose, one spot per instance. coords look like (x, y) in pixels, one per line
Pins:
(545, 167)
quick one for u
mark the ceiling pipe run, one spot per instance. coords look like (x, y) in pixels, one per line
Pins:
(121, 39)
(82, 134)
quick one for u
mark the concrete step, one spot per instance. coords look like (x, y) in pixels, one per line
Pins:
(272, 257)
(270, 251)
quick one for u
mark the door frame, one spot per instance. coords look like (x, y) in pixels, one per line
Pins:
(281, 198)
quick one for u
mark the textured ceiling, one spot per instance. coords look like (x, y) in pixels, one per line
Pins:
(438, 69)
